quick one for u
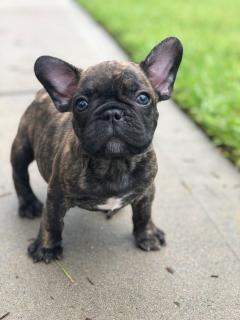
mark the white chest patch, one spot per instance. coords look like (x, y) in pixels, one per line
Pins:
(111, 204)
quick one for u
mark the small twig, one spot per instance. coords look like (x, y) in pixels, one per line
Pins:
(215, 175)
(90, 281)
(5, 315)
(186, 186)
(64, 271)
(170, 270)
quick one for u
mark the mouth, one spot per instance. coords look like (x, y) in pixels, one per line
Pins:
(115, 146)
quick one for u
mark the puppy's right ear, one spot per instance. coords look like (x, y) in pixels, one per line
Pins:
(59, 78)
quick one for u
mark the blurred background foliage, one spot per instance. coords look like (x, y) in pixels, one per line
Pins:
(208, 84)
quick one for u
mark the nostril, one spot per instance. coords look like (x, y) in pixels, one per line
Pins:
(117, 116)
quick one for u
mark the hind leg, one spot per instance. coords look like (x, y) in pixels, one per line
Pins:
(21, 157)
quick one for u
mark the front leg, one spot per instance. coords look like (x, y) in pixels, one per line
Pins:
(147, 235)
(47, 246)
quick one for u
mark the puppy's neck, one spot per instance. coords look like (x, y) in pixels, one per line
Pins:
(113, 166)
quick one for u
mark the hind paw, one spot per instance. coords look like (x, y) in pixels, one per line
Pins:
(30, 209)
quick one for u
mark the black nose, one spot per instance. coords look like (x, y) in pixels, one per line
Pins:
(112, 115)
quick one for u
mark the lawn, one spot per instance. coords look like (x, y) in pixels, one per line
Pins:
(208, 83)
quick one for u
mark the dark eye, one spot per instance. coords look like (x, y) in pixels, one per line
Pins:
(143, 99)
(81, 104)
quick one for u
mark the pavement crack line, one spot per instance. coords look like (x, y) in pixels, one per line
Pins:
(204, 209)
(11, 93)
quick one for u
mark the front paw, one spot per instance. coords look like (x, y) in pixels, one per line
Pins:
(38, 252)
(150, 238)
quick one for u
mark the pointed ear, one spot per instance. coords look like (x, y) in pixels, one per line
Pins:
(59, 78)
(161, 66)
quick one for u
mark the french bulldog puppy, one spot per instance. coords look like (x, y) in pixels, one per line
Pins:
(91, 133)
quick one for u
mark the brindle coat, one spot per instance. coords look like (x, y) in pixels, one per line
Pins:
(97, 150)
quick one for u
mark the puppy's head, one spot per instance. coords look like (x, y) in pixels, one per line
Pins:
(113, 103)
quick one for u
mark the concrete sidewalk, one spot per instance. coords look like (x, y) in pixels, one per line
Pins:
(197, 203)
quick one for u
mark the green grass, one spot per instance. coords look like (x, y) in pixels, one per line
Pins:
(208, 83)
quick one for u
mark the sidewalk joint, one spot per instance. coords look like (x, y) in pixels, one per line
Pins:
(17, 93)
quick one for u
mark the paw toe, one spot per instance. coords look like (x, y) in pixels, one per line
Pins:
(161, 237)
(40, 253)
(151, 239)
(149, 244)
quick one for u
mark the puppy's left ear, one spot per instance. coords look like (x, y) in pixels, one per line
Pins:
(59, 78)
(161, 66)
